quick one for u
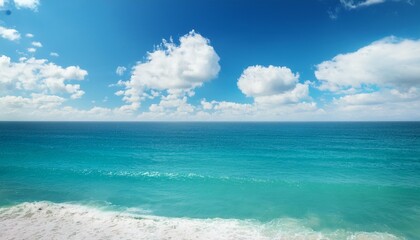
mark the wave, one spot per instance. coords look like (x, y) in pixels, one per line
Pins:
(46, 220)
(168, 175)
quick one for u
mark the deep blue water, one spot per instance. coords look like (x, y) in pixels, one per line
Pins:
(357, 176)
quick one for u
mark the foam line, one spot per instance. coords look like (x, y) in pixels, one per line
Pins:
(46, 220)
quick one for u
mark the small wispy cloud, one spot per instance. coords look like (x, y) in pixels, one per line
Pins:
(333, 13)
(37, 44)
(356, 4)
(351, 4)
(120, 70)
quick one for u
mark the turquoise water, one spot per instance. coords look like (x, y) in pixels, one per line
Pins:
(355, 177)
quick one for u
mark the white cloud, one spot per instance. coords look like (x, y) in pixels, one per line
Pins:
(389, 62)
(31, 4)
(272, 85)
(176, 69)
(206, 105)
(172, 104)
(51, 107)
(40, 101)
(378, 106)
(31, 50)
(356, 4)
(276, 92)
(39, 75)
(277, 95)
(229, 108)
(352, 4)
(37, 44)
(263, 81)
(380, 81)
(29, 35)
(54, 54)
(23, 108)
(119, 93)
(120, 70)
(9, 33)
(1, 3)
(379, 98)
(186, 66)
(233, 111)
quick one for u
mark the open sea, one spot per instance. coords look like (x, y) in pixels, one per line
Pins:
(96, 180)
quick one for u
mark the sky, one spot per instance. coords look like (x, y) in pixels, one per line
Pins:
(210, 60)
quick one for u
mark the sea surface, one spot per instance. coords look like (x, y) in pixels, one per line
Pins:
(157, 180)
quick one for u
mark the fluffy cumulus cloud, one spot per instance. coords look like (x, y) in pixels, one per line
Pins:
(374, 81)
(186, 66)
(39, 75)
(9, 33)
(172, 71)
(31, 4)
(390, 62)
(272, 85)
(262, 81)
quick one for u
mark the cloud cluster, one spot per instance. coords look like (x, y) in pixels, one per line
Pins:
(39, 75)
(374, 81)
(50, 107)
(36, 100)
(172, 72)
(367, 84)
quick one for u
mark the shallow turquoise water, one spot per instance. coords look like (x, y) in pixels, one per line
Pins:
(352, 176)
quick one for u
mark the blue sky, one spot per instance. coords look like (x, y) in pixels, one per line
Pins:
(223, 60)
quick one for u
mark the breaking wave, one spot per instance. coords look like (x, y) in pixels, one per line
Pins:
(46, 220)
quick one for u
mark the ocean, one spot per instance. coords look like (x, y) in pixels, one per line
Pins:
(199, 180)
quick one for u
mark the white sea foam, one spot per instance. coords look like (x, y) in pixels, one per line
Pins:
(45, 220)
(168, 175)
